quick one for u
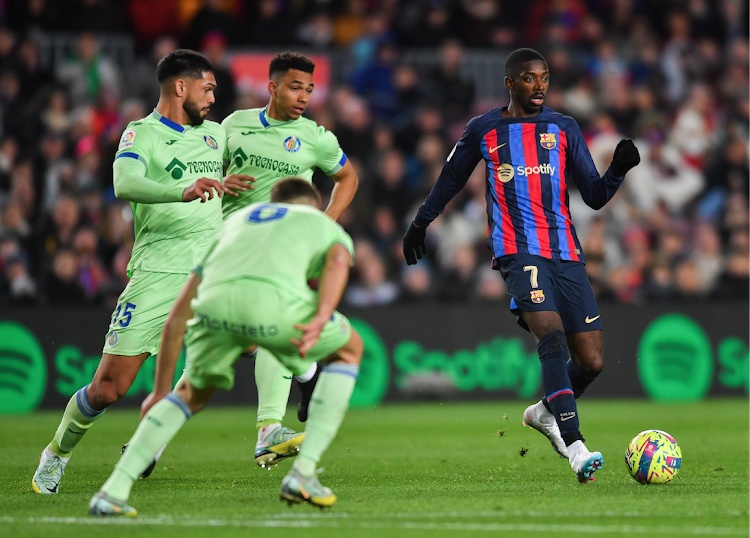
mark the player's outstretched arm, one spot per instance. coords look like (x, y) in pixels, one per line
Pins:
(171, 343)
(332, 283)
(343, 191)
(130, 184)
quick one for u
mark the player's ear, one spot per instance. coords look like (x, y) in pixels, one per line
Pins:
(509, 83)
(180, 87)
(272, 88)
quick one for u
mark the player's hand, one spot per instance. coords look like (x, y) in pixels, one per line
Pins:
(204, 189)
(414, 245)
(238, 183)
(151, 400)
(626, 157)
(310, 335)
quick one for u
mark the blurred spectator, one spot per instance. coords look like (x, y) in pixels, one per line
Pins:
(62, 287)
(87, 73)
(214, 47)
(371, 287)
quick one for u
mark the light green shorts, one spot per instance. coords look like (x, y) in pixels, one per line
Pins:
(231, 316)
(141, 311)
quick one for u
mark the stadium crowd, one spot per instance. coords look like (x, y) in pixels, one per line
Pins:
(671, 74)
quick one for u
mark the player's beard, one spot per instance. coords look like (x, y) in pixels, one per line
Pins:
(193, 112)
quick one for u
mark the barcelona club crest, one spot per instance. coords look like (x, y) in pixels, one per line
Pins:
(548, 141)
(537, 296)
(292, 144)
(211, 142)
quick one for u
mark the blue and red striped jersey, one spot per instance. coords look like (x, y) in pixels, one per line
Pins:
(528, 164)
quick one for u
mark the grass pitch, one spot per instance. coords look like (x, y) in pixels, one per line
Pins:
(427, 470)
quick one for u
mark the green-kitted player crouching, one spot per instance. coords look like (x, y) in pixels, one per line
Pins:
(238, 297)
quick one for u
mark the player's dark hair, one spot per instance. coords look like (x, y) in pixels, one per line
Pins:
(182, 63)
(294, 188)
(284, 61)
(516, 59)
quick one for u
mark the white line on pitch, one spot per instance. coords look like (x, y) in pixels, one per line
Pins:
(488, 527)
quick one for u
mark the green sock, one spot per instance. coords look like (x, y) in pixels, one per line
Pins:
(156, 429)
(274, 382)
(77, 419)
(328, 405)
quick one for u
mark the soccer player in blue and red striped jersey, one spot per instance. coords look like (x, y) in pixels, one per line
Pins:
(531, 152)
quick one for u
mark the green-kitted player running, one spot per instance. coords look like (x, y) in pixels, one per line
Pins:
(169, 157)
(270, 144)
(240, 297)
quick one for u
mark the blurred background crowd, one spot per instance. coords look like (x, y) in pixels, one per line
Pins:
(671, 74)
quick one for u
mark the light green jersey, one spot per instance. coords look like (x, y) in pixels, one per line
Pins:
(172, 237)
(283, 244)
(270, 150)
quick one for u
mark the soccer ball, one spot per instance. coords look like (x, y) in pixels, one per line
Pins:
(653, 457)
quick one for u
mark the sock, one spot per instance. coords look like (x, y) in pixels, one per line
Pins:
(156, 429)
(266, 430)
(580, 378)
(553, 352)
(274, 382)
(328, 405)
(77, 419)
(307, 376)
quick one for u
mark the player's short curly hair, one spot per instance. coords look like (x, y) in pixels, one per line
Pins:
(284, 61)
(516, 59)
(294, 188)
(182, 63)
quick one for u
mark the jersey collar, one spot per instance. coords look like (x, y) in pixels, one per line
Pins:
(169, 123)
(270, 122)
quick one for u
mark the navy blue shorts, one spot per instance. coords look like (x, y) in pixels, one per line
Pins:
(538, 284)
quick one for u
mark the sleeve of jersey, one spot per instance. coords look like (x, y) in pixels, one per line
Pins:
(225, 128)
(596, 191)
(330, 157)
(130, 168)
(456, 171)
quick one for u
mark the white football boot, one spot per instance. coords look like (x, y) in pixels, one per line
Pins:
(51, 469)
(583, 462)
(538, 418)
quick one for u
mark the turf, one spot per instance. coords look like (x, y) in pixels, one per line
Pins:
(426, 470)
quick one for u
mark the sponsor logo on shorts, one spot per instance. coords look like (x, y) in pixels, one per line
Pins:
(237, 328)
(112, 340)
(591, 320)
(537, 296)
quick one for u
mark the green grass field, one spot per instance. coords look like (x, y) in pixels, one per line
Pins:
(427, 470)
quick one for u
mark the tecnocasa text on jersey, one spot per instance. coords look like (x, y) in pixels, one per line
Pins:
(204, 167)
(272, 164)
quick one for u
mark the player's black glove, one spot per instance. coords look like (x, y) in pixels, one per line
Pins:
(414, 245)
(626, 157)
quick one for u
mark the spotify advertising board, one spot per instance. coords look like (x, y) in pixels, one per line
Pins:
(670, 352)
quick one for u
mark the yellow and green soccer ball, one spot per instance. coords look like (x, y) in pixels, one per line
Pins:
(653, 457)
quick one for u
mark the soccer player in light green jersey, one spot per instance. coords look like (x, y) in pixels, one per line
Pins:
(165, 162)
(239, 297)
(269, 144)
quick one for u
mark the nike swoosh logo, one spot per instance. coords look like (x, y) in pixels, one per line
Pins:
(563, 419)
(247, 132)
(590, 320)
(493, 150)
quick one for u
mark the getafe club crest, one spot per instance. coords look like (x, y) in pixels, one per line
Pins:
(537, 296)
(210, 142)
(548, 141)
(292, 144)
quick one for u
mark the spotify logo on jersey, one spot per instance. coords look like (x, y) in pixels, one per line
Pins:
(675, 361)
(23, 371)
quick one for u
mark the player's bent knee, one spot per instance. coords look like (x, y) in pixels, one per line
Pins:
(102, 394)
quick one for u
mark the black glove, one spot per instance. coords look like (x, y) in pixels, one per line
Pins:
(626, 157)
(414, 245)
